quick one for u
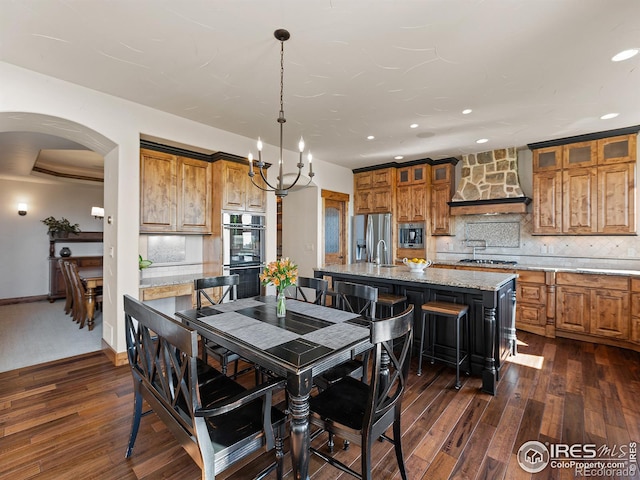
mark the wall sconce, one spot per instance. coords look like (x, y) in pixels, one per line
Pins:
(22, 209)
(97, 212)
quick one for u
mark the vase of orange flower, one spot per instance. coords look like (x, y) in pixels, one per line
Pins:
(282, 274)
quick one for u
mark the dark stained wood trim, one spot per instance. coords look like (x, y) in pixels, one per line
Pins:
(584, 138)
(423, 161)
(54, 173)
(183, 152)
(14, 300)
(338, 196)
(180, 152)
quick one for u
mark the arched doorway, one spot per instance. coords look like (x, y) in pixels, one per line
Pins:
(33, 126)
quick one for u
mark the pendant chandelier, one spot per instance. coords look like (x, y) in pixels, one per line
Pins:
(279, 189)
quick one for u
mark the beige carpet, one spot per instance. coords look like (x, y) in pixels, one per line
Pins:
(39, 332)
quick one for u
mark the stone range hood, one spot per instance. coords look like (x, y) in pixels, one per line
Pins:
(489, 184)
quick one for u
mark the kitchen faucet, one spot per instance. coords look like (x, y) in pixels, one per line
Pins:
(381, 241)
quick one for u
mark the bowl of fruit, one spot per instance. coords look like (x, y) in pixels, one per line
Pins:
(416, 265)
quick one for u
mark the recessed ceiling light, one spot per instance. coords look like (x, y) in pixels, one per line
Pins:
(398, 157)
(466, 111)
(413, 125)
(609, 116)
(370, 137)
(625, 55)
(482, 140)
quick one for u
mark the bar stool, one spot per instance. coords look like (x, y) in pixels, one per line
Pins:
(453, 311)
(390, 301)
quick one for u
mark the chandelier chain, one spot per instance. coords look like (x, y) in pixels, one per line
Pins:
(279, 188)
(281, 75)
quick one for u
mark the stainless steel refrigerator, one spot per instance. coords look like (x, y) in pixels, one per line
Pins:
(371, 235)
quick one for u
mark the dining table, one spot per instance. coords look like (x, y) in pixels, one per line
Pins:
(91, 277)
(304, 343)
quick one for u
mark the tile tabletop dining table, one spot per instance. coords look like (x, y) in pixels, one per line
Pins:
(306, 342)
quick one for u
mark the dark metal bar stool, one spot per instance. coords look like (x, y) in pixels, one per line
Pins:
(453, 311)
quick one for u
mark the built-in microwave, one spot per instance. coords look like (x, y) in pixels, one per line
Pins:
(411, 235)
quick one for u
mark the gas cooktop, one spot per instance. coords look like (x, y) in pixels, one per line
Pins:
(488, 261)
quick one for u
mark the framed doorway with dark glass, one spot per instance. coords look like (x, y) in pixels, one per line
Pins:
(335, 208)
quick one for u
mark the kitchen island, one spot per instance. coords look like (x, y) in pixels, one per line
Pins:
(491, 298)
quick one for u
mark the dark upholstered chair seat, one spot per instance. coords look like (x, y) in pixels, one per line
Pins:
(342, 402)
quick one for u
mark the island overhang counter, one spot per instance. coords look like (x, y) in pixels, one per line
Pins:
(491, 298)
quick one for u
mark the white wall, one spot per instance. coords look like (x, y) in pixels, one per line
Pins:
(112, 127)
(24, 243)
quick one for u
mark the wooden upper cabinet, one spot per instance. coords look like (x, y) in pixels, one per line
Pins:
(238, 191)
(382, 178)
(616, 199)
(549, 158)
(234, 187)
(194, 196)
(581, 154)
(374, 192)
(620, 149)
(598, 187)
(547, 202)
(440, 211)
(441, 174)
(158, 191)
(363, 180)
(579, 190)
(442, 187)
(411, 203)
(413, 175)
(175, 194)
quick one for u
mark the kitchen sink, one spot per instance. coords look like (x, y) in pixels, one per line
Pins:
(387, 265)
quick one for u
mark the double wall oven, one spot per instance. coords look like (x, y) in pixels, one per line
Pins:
(243, 236)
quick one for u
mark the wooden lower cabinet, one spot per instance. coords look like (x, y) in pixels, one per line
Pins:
(573, 309)
(593, 304)
(634, 327)
(531, 303)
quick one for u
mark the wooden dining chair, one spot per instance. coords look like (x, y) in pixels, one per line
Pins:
(362, 412)
(67, 286)
(79, 308)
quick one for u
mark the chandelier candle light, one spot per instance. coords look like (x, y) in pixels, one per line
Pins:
(282, 274)
(280, 190)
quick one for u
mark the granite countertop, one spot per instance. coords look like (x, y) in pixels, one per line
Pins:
(169, 280)
(597, 268)
(436, 276)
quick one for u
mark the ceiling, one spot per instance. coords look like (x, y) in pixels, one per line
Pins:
(530, 70)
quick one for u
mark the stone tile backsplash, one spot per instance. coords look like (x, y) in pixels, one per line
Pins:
(595, 251)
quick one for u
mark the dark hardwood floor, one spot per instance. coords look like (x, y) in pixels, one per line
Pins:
(70, 419)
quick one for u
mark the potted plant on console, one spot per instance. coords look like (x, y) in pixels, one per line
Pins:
(60, 228)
